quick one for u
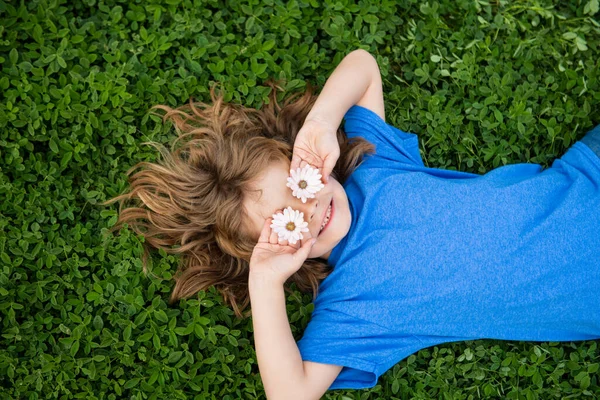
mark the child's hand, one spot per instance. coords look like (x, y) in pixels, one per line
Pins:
(316, 144)
(274, 260)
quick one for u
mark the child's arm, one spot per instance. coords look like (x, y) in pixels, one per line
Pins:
(279, 360)
(281, 367)
(356, 80)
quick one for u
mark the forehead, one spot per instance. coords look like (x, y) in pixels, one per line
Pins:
(269, 190)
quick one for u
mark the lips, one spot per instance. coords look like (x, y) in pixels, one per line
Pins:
(324, 216)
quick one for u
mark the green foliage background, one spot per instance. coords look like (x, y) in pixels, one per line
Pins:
(483, 84)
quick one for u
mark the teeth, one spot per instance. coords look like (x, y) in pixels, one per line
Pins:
(327, 216)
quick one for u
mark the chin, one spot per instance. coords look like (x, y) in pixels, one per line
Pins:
(317, 253)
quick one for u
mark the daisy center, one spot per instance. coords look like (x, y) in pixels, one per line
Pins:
(302, 184)
(290, 226)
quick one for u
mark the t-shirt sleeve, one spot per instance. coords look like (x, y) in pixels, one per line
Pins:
(390, 142)
(365, 350)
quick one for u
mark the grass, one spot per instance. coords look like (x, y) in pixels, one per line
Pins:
(483, 84)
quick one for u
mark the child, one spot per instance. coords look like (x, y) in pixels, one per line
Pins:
(421, 256)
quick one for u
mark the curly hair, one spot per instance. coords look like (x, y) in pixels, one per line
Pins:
(191, 204)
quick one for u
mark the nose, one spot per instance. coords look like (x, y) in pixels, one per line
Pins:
(309, 208)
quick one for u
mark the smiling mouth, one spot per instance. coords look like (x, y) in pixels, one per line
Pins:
(327, 217)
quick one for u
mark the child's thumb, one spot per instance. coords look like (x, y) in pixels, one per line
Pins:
(328, 167)
(303, 251)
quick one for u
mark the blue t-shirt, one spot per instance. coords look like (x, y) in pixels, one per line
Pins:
(435, 256)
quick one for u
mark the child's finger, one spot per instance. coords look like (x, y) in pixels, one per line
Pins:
(303, 164)
(266, 231)
(327, 168)
(306, 237)
(274, 238)
(295, 164)
(304, 251)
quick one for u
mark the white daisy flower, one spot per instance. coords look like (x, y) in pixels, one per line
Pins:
(305, 182)
(289, 225)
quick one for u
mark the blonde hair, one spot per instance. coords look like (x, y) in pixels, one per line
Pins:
(194, 198)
